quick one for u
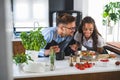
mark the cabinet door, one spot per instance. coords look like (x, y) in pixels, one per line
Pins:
(18, 47)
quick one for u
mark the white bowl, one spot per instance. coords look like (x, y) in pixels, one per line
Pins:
(35, 67)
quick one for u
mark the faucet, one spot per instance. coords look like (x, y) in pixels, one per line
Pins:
(36, 23)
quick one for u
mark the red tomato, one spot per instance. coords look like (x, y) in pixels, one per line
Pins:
(117, 62)
(90, 65)
(77, 65)
(81, 67)
(86, 65)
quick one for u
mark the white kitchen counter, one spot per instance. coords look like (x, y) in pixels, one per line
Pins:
(16, 39)
(63, 68)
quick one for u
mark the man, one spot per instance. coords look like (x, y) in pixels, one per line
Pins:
(60, 36)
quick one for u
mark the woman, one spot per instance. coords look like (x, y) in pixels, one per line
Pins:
(88, 35)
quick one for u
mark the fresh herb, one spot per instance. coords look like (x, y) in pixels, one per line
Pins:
(34, 40)
(21, 58)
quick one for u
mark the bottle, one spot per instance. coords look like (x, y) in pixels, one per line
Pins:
(52, 59)
(71, 60)
(77, 59)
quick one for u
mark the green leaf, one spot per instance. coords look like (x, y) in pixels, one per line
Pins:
(34, 40)
(111, 12)
(105, 15)
(21, 58)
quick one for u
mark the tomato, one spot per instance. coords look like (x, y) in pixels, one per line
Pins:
(86, 65)
(90, 65)
(77, 65)
(117, 62)
(82, 68)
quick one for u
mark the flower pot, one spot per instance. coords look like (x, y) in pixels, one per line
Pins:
(20, 67)
(109, 30)
(33, 54)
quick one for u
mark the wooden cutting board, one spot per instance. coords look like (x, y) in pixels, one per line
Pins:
(114, 44)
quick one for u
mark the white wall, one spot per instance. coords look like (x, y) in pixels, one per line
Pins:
(91, 8)
(5, 41)
(95, 11)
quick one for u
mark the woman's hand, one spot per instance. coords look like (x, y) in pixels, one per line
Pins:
(74, 47)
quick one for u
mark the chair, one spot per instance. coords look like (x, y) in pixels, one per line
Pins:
(53, 14)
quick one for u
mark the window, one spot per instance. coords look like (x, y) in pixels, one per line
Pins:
(28, 14)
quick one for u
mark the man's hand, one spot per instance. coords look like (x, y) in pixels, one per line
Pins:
(55, 48)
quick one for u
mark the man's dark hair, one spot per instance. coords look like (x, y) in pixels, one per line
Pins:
(65, 18)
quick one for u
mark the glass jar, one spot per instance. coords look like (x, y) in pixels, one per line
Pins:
(52, 59)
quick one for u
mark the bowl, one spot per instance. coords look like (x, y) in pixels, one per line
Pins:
(88, 55)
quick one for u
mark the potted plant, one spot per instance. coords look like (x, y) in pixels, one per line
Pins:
(33, 42)
(21, 58)
(111, 13)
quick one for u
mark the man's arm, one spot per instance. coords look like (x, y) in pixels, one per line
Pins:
(48, 35)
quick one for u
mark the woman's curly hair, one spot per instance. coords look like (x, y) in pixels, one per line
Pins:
(95, 33)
